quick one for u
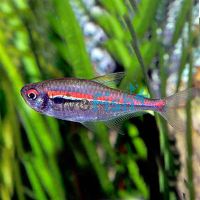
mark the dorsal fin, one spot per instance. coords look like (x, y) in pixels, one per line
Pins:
(110, 80)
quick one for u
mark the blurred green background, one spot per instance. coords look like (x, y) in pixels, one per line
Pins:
(155, 42)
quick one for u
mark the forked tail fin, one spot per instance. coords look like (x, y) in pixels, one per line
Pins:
(174, 111)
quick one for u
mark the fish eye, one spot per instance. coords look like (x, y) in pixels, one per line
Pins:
(32, 94)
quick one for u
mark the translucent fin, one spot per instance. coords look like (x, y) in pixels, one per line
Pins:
(110, 80)
(175, 109)
(92, 126)
(113, 124)
(117, 122)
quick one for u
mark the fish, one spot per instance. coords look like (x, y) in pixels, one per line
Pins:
(89, 101)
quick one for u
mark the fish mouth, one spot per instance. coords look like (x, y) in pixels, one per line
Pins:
(22, 91)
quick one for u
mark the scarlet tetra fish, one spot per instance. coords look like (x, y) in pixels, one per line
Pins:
(90, 101)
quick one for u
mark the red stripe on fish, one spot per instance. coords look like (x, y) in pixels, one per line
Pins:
(79, 95)
(54, 93)
(159, 104)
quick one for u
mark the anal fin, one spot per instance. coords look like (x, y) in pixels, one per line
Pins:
(117, 122)
(94, 126)
(113, 124)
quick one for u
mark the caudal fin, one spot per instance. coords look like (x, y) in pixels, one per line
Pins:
(174, 111)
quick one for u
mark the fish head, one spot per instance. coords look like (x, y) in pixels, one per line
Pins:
(35, 96)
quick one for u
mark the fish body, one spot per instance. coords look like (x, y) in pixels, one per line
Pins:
(82, 100)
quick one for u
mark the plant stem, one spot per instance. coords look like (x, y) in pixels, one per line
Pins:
(189, 117)
(137, 50)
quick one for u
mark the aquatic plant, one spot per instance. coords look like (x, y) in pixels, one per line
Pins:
(42, 158)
